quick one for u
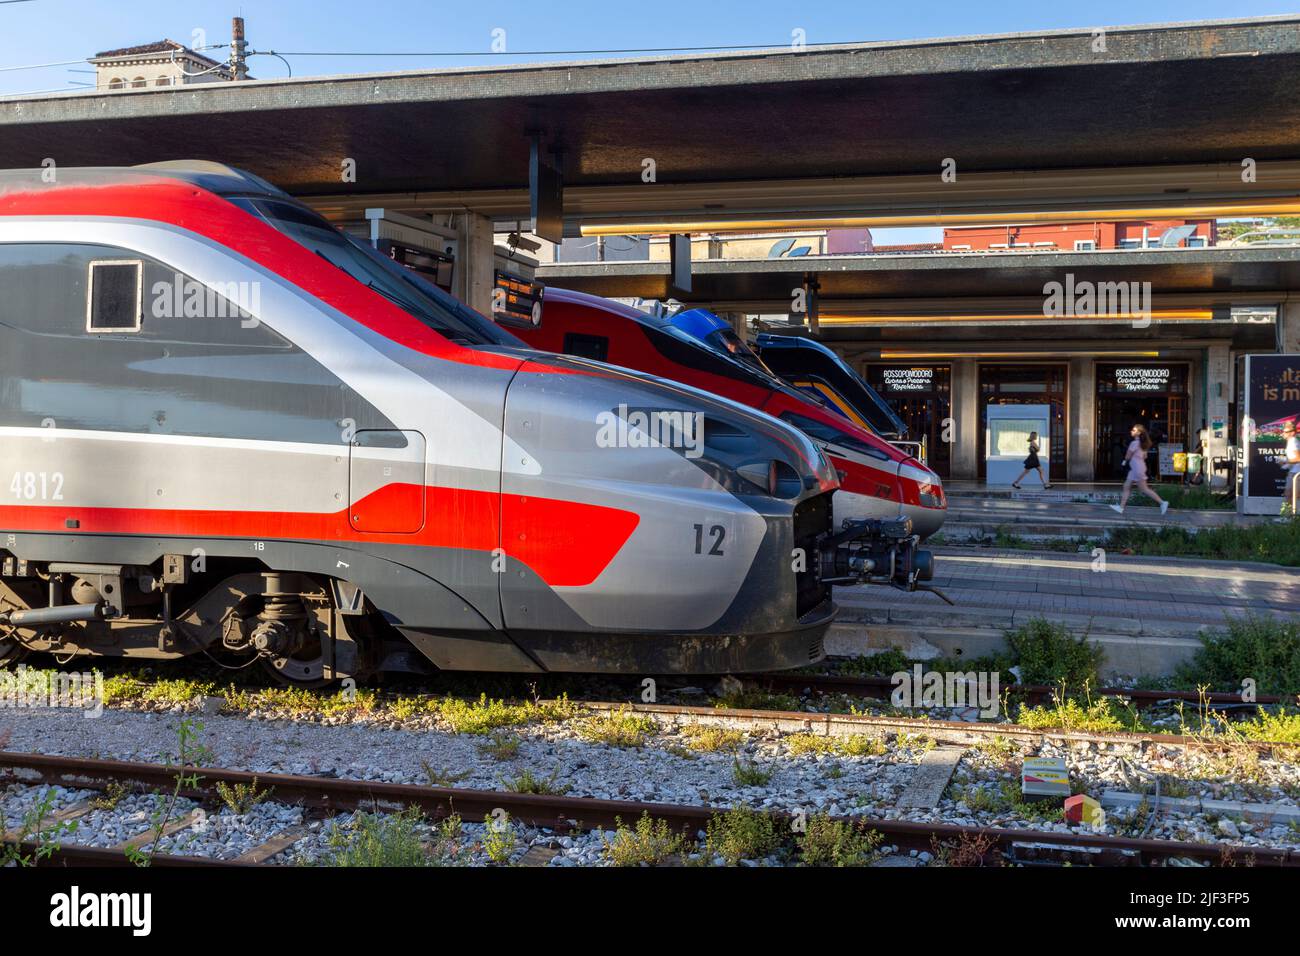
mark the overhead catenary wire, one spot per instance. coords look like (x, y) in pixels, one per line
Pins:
(648, 49)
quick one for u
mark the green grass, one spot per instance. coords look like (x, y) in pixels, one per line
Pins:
(1047, 653)
(242, 797)
(618, 728)
(1184, 498)
(853, 745)
(749, 774)
(1275, 728)
(378, 840)
(827, 842)
(499, 840)
(1008, 799)
(483, 716)
(1106, 715)
(894, 660)
(1014, 542)
(649, 843)
(1264, 649)
(528, 782)
(500, 746)
(740, 834)
(1272, 542)
(756, 699)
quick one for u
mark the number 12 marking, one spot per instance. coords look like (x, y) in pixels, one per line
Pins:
(719, 534)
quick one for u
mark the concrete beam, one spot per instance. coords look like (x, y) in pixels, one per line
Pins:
(1227, 275)
(991, 103)
(1003, 194)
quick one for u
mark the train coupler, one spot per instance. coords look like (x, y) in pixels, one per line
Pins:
(876, 551)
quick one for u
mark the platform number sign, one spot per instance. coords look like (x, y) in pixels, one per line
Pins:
(712, 539)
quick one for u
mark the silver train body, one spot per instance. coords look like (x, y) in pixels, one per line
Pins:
(226, 429)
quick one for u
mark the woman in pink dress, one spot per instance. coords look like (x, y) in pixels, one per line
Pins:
(1136, 459)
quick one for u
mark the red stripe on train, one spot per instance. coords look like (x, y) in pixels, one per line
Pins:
(207, 214)
(567, 543)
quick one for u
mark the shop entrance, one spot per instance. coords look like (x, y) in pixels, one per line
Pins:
(1039, 384)
(1154, 395)
(921, 395)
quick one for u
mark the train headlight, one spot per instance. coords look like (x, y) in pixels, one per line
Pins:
(774, 477)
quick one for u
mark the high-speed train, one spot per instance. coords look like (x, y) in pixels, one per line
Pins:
(815, 370)
(878, 481)
(227, 428)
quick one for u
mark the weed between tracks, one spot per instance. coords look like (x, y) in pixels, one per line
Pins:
(743, 835)
(618, 728)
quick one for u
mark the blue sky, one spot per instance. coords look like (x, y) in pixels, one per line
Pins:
(46, 31)
(42, 31)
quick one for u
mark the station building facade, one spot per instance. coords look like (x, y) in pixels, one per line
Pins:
(1179, 383)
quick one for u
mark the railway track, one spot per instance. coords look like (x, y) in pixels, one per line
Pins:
(877, 687)
(880, 687)
(562, 813)
(951, 731)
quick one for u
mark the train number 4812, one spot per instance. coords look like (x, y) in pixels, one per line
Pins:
(37, 485)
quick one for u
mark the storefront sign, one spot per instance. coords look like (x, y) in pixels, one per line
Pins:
(908, 379)
(1141, 378)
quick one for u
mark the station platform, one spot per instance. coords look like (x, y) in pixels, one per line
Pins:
(1146, 612)
(1076, 510)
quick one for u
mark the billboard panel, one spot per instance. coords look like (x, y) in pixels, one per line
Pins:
(1270, 388)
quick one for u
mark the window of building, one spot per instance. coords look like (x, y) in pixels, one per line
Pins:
(921, 395)
(139, 82)
(1130, 243)
(1197, 242)
(1135, 393)
(163, 81)
(1028, 384)
(1085, 245)
(114, 300)
(116, 83)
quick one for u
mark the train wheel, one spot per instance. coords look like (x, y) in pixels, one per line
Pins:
(303, 668)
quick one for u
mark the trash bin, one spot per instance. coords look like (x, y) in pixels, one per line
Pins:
(1194, 463)
(1180, 462)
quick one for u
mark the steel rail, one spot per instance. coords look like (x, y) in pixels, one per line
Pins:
(585, 813)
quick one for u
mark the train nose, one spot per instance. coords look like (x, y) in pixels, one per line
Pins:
(926, 521)
(932, 504)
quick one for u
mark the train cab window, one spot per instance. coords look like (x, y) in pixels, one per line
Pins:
(594, 347)
(115, 297)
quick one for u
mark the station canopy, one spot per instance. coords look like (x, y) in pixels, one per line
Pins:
(715, 125)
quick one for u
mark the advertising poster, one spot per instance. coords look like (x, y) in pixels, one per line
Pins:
(1272, 398)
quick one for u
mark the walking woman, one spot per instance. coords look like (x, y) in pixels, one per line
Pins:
(1032, 464)
(1136, 459)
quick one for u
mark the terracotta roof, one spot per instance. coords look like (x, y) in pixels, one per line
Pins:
(158, 46)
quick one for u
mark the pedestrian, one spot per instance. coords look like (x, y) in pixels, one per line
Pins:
(1202, 449)
(1291, 487)
(1136, 459)
(1032, 463)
